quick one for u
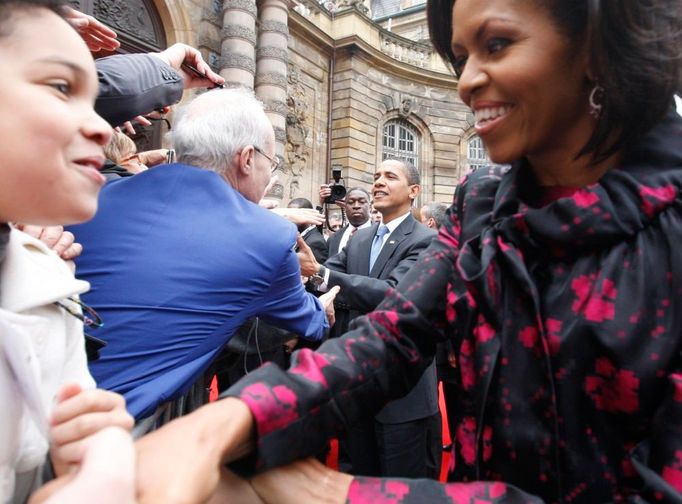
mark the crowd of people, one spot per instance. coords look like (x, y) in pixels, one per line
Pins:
(546, 298)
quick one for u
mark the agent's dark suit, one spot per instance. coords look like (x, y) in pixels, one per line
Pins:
(317, 244)
(408, 419)
(334, 241)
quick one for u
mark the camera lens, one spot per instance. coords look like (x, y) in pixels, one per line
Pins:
(338, 193)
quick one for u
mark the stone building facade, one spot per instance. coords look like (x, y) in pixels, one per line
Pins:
(340, 87)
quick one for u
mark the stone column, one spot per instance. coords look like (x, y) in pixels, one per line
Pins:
(271, 65)
(238, 46)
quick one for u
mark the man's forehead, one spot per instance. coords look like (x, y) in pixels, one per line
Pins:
(392, 166)
(357, 194)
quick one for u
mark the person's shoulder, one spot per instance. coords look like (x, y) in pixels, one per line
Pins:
(336, 235)
(317, 235)
(418, 231)
(268, 223)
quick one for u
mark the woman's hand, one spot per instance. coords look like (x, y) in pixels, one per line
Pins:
(106, 474)
(304, 481)
(62, 242)
(96, 35)
(181, 463)
(80, 414)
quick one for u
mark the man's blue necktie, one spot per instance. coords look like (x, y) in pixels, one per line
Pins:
(377, 244)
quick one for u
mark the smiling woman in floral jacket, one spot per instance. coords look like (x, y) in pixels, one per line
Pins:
(557, 281)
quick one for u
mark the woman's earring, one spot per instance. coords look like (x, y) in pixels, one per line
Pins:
(596, 98)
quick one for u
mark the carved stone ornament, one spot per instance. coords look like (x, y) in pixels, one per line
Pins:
(128, 16)
(239, 31)
(294, 188)
(274, 26)
(293, 75)
(299, 140)
(353, 4)
(236, 60)
(276, 107)
(270, 52)
(276, 191)
(243, 5)
(406, 107)
(272, 78)
(280, 137)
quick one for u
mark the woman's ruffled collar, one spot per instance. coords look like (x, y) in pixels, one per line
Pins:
(622, 203)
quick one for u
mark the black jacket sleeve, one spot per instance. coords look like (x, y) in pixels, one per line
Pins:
(135, 84)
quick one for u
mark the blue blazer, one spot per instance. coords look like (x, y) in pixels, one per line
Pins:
(177, 260)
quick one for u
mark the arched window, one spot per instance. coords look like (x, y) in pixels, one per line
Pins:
(477, 157)
(401, 141)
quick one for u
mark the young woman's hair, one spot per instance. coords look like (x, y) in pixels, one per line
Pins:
(10, 7)
(635, 50)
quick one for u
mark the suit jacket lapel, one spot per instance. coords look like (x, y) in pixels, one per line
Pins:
(394, 239)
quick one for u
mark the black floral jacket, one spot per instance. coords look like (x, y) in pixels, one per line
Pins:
(567, 324)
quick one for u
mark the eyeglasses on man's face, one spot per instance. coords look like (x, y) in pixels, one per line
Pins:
(274, 161)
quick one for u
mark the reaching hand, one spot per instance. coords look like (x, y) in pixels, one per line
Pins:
(153, 157)
(78, 415)
(306, 258)
(234, 490)
(96, 35)
(181, 462)
(304, 481)
(327, 300)
(62, 242)
(106, 474)
(301, 216)
(179, 56)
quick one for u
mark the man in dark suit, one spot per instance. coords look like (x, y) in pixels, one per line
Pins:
(357, 210)
(403, 440)
(310, 233)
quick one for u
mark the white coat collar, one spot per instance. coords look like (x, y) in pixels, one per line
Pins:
(32, 275)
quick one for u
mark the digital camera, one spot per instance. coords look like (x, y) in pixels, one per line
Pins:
(337, 186)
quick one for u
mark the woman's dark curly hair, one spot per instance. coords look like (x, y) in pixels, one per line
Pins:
(635, 48)
(10, 7)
